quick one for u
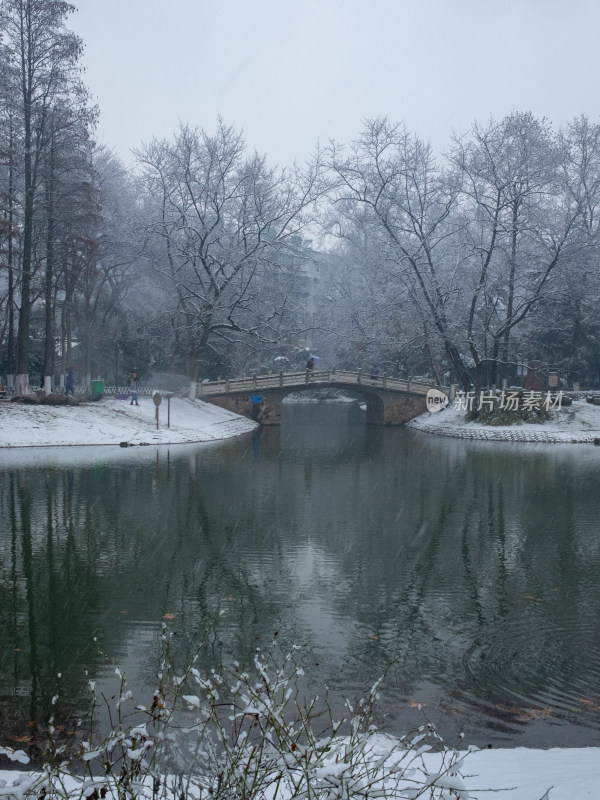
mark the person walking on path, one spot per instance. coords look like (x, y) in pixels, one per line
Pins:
(70, 383)
(133, 389)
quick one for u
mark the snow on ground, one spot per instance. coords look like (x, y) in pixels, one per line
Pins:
(578, 423)
(517, 774)
(110, 422)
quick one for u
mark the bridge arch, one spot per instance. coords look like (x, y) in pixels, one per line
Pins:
(388, 401)
(374, 404)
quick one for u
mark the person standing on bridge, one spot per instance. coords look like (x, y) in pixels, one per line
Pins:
(310, 363)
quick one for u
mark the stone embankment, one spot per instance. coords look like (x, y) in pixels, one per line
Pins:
(504, 435)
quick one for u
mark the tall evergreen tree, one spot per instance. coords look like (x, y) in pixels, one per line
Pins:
(42, 64)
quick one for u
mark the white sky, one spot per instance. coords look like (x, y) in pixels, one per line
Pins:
(291, 72)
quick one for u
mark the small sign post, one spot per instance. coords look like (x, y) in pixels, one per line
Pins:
(169, 395)
(157, 400)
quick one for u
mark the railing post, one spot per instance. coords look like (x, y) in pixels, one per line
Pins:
(384, 380)
(254, 381)
(333, 375)
(307, 376)
(358, 377)
(408, 385)
(226, 384)
(281, 378)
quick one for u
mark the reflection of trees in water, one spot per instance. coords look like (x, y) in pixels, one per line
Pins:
(449, 552)
(91, 548)
(45, 597)
(493, 572)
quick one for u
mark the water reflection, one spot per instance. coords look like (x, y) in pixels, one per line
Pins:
(323, 429)
(473, 566)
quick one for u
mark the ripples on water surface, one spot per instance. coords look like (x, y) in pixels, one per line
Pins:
(472, 566)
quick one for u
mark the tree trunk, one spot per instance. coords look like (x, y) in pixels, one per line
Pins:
(87, 350)
(462, 375)
(22, 378)
(48, 289)
(10, 356)
(496, 371)
(511, 292)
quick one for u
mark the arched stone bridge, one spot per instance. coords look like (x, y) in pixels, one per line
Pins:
(389, 401)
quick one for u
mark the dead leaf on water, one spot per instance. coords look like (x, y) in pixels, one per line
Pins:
(591, 705)
(168, 616)
(526, 714)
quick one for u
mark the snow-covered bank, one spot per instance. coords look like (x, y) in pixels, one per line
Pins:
(578, 424)
(110, 422)
(518, 774)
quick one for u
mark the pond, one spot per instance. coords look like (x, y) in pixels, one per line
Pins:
(472, 568)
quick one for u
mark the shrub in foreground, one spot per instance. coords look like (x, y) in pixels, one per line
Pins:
(230, 735)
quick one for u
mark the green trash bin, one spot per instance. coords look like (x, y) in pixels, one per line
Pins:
(97, 387)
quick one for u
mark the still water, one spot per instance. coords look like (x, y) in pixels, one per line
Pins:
(472, 567)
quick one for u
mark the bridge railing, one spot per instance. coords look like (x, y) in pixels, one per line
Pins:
(316, 378)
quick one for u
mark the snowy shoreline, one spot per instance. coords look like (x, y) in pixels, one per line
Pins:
(575, 424)
(507, 774)
(115, 422)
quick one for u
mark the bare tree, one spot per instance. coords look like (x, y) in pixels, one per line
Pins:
(224, 223)
(520, 224)
(393, 177)
(114, 266)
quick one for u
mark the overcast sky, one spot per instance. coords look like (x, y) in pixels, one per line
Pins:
(292, 72)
